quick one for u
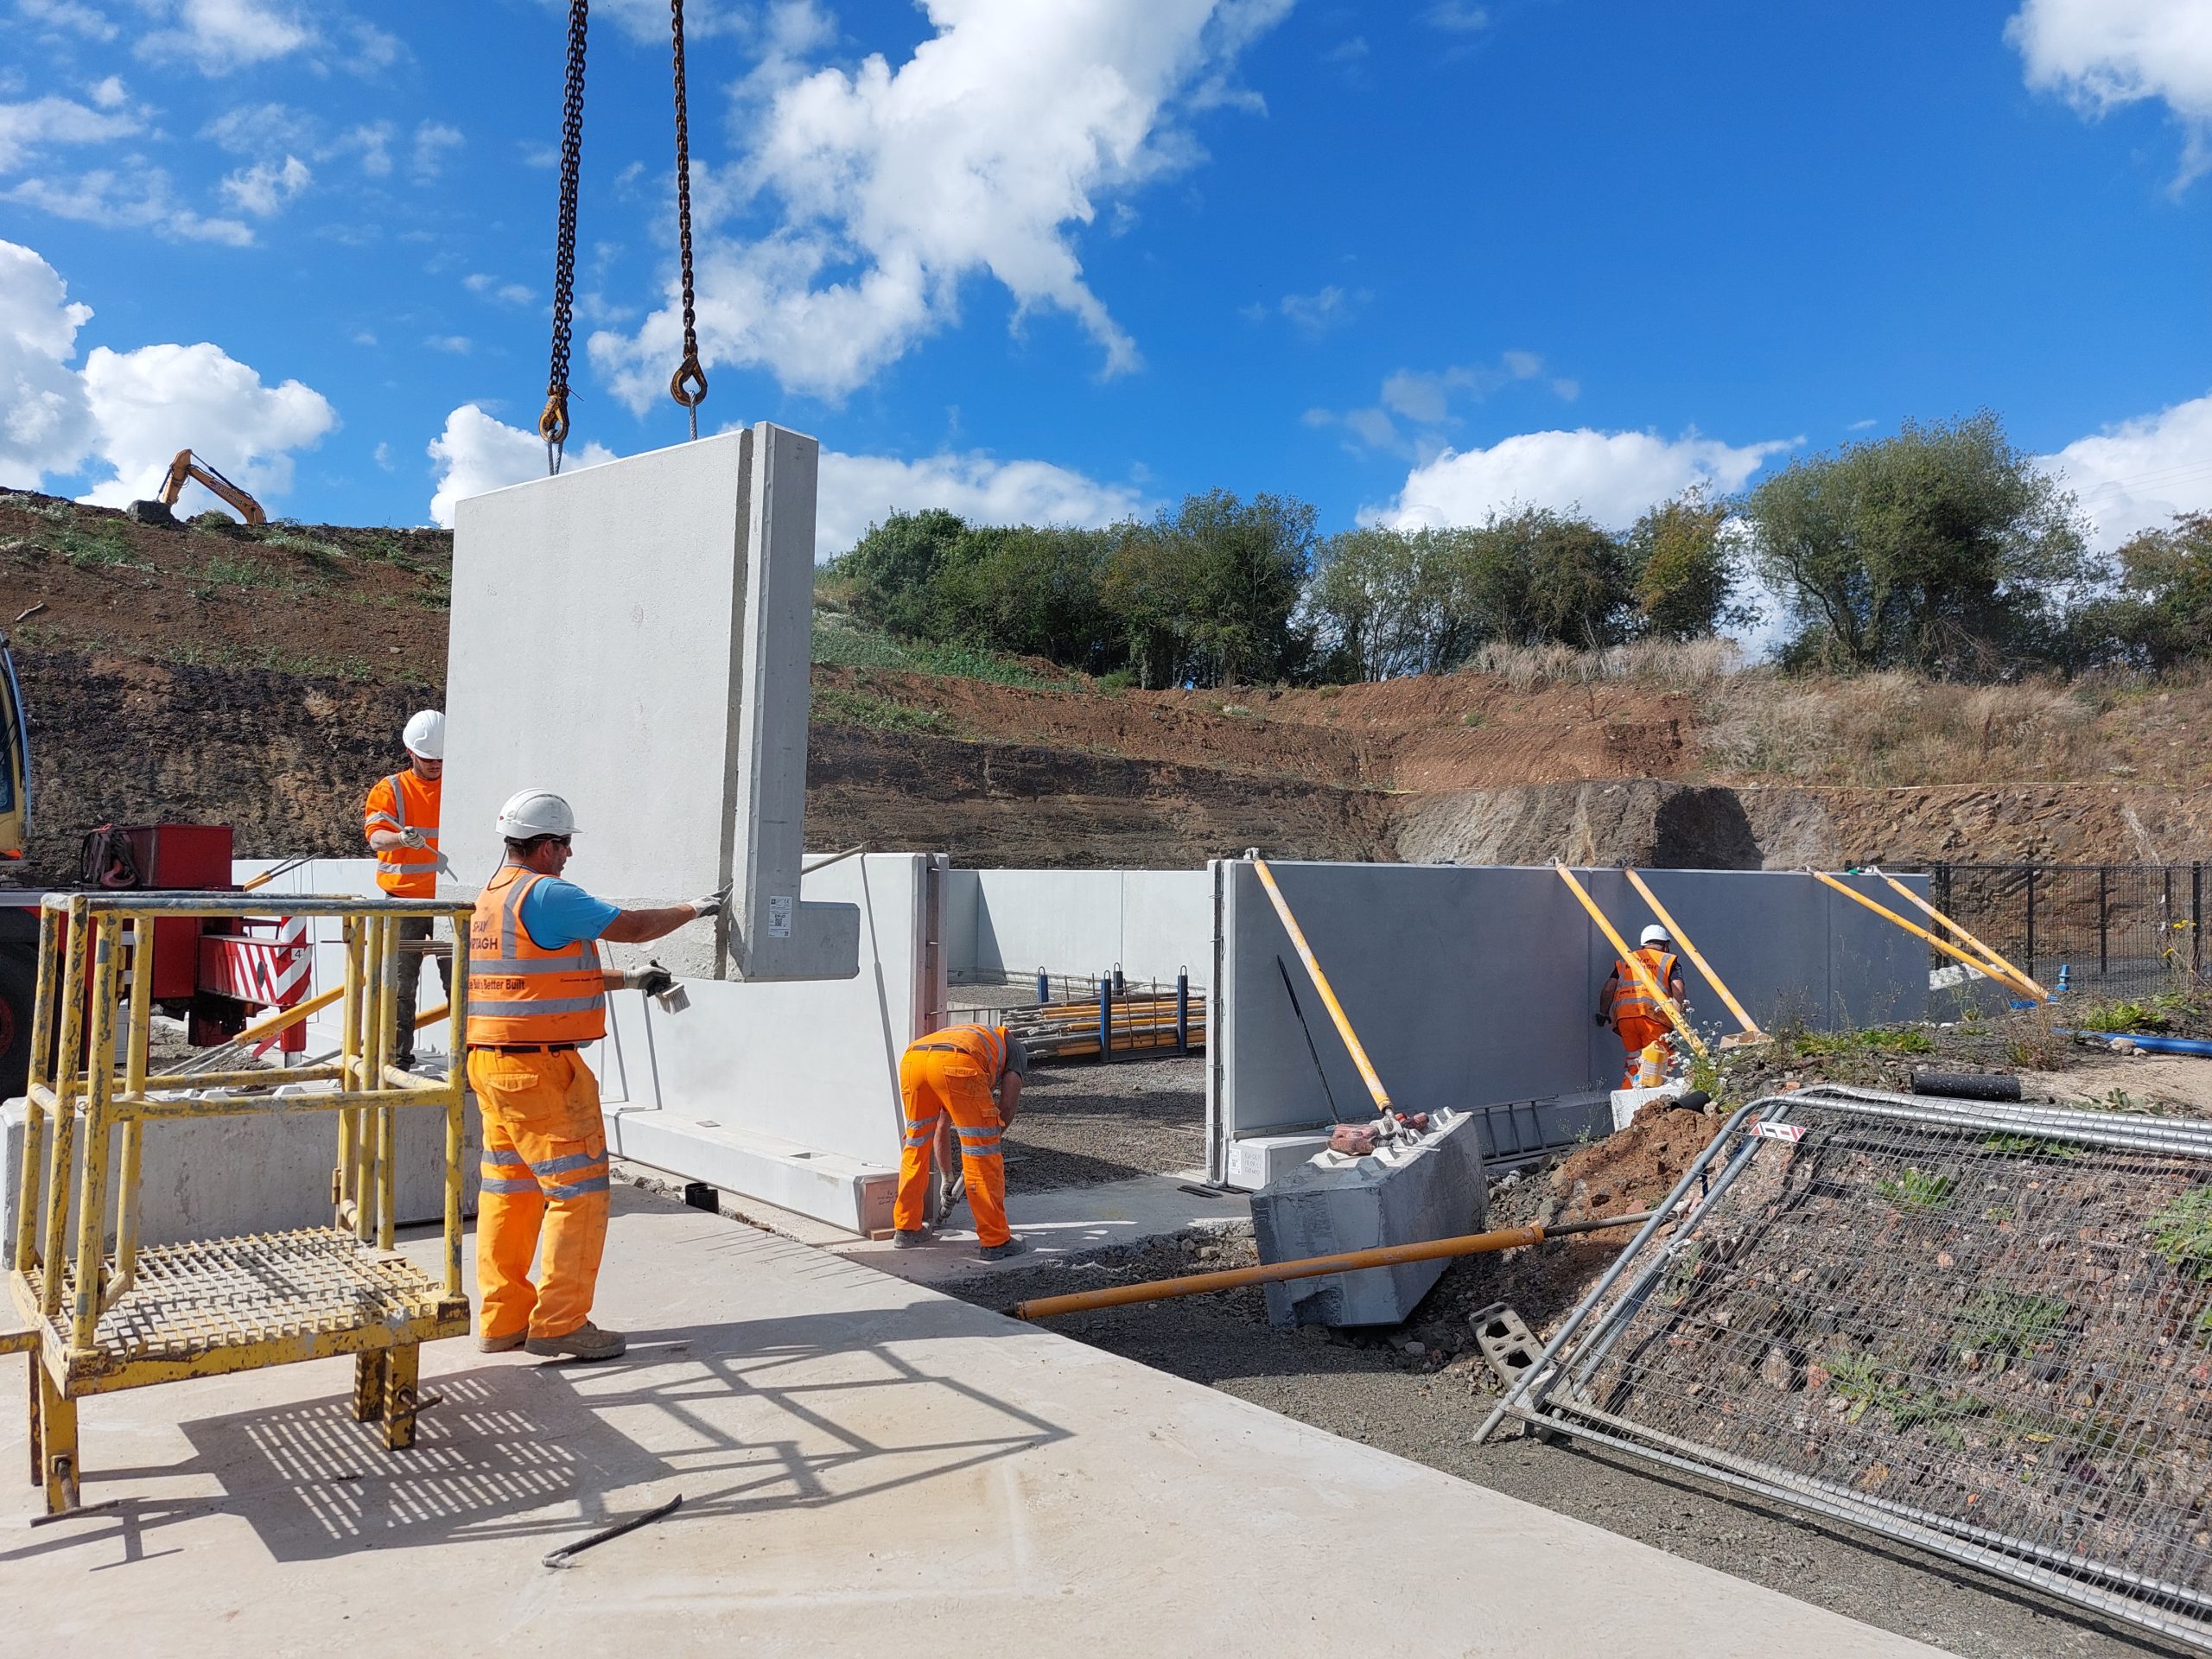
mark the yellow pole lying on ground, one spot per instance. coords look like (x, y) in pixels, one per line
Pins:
(1652, 987)
(1989, 968)
(1321, 984)
(1675, 931)
(2024, 979)
(1313, 1266)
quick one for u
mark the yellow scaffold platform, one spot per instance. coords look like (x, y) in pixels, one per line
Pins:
(105, 1317)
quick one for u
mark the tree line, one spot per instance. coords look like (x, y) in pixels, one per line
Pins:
(1943, 549)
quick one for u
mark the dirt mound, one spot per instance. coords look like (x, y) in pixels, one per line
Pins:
(1637, 1167)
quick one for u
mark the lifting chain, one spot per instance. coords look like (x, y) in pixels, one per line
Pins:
(688, 386)
(553, 424)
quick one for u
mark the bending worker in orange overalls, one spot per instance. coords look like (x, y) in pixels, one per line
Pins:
(400, 820)
(535, 993)
(951, 1074)
(1628, 1007)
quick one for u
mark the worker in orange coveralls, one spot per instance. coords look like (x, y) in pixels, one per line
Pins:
(400, 823)
(951, 1075)
(535, 993)
(1630, 1009)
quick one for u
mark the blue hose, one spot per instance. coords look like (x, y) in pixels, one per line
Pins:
(2196, 1046)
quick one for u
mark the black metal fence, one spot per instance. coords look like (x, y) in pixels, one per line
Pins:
(2116, 929)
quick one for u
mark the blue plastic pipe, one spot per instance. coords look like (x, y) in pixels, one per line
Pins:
(2195, 1045)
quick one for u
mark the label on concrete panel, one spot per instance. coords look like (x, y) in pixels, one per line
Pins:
(779, 915)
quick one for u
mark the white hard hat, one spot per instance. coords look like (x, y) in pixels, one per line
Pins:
(535, 812)
(425, 735)
(1656, 934)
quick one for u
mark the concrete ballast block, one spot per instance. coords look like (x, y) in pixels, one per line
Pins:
(1432, 1190)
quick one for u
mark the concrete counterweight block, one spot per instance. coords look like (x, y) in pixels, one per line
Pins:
(1433, 1190)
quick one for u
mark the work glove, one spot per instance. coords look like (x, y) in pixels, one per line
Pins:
(652, 978)
(1601, 1019)
(445, 866)
(713, 903)
(412, 836)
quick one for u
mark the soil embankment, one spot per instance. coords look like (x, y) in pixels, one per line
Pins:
(259, 677)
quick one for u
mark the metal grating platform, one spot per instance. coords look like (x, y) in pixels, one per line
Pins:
(232, 1303)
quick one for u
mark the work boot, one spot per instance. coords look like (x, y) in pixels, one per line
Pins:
(585, 1341)
(910, 1238)
(1000, 1252)
(505, 1345)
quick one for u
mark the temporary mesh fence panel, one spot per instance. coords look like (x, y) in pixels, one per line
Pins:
(2115, 928)
(1985, 1330)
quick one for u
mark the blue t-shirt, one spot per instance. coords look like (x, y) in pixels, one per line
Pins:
(558, 913)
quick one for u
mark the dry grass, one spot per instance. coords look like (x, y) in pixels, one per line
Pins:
(1894, 729)
(1881, 729)
(1683, 666)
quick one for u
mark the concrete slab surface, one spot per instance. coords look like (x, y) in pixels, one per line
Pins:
(865, 1465)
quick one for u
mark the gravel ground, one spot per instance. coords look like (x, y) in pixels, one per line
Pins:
(1426, 1406)
(1083, 1124)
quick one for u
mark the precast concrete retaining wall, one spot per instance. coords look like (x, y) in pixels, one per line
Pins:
(1153, 924)
(788, 1093)
(1473, 986)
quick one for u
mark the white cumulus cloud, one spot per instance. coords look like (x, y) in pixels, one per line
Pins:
(2101, 54)
(2139, 475)
(132, 411)
(1611, 476)
(151, 402)
(44, 123)
(46, 420)
(884, 189)
(220, 35)
(857, 491)
(142, 200)
(267, 188)
(477, 453)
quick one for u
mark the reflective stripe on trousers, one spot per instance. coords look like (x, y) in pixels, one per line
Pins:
(545, 1185)
(937, 1083)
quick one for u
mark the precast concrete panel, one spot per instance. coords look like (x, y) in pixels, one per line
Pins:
(633, 636)
(1151, 924)
(1167, 924)
(786, 1092)
(1474, 986)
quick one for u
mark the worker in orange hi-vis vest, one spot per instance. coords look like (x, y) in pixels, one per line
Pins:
(401, 822)
(1630, 1009)
(951, 1075)
(536, 994)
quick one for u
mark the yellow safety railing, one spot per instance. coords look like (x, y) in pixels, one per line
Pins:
(212, 1306)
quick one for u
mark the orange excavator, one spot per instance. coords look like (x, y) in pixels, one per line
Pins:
(188, 468)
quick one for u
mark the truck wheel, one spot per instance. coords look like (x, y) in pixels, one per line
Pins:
(18, 983)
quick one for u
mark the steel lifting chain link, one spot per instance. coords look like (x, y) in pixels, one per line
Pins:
(553, 424)
(688, 386)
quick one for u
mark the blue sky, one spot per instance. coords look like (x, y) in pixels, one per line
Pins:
(1411, 261)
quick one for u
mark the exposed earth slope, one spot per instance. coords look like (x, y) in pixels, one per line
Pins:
(260, 677)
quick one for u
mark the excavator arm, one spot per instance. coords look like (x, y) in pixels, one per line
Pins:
(187, 465)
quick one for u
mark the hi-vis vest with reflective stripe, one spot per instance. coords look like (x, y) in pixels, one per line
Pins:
(985, 1045)
(518, 992)
(1632, 1001)
(402, 801)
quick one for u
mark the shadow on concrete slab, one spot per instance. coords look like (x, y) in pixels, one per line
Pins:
(742, 1418)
